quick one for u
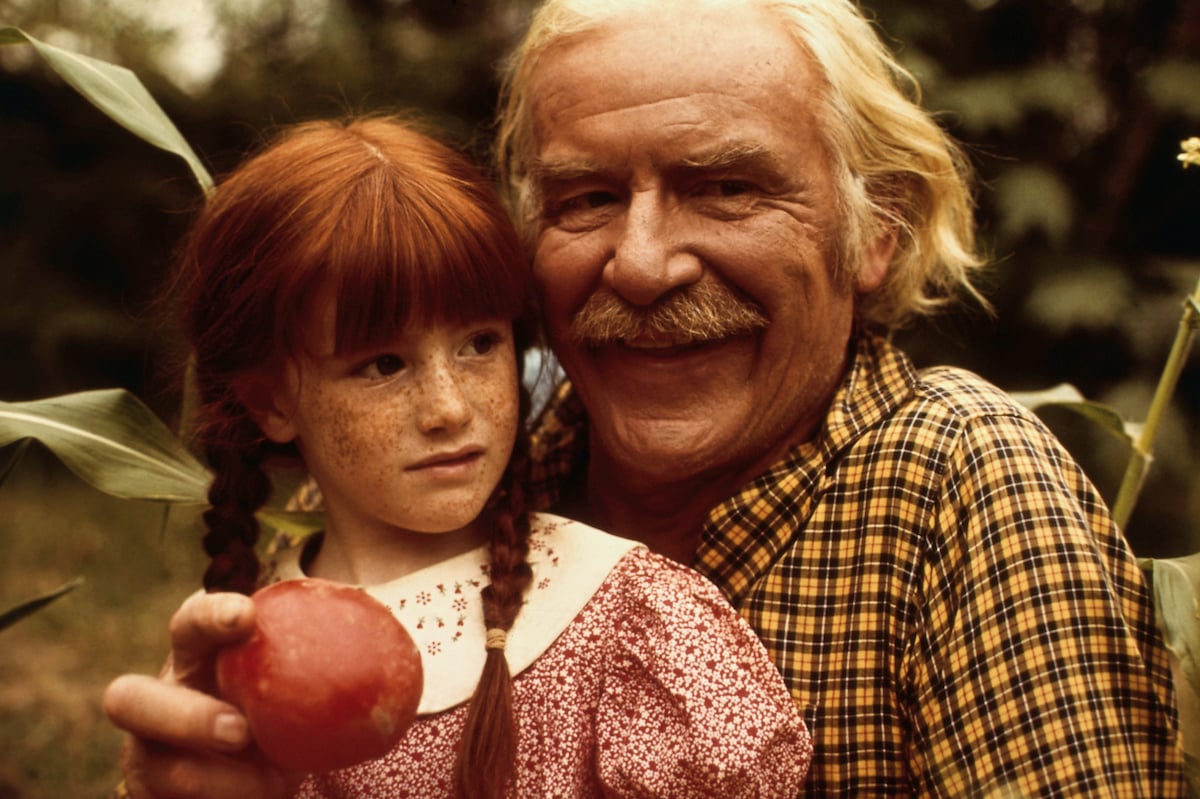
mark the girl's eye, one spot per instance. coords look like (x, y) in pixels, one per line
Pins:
(483, 343)
(383, 366)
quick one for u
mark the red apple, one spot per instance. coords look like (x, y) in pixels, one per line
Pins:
(328, 679)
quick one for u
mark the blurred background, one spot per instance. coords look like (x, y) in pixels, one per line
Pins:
(1072, 111)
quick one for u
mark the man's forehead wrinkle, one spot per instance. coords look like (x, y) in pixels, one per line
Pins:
(697, 104)
(558, 104)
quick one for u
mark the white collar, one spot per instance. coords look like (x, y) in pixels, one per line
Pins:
(442, 610)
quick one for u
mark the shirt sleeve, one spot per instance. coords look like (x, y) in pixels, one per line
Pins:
(1039, 671)
(692, 705)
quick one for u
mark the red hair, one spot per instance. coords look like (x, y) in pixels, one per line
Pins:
(403, 227)
(405, 230)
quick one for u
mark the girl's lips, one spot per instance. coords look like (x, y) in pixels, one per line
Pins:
(448, 460)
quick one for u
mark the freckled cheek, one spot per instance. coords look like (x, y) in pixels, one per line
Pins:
(497, 402)
(358, 434)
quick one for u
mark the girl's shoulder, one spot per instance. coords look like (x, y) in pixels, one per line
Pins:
(621, 580)
(572, 564)
(558, 542)
(653, 598)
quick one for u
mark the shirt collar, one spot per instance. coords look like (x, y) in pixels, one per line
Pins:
(744, 534)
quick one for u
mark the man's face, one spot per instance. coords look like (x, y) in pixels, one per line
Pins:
(681, 156)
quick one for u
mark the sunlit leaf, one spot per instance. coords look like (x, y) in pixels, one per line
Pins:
(1176, 593)
(118, 93)
(292, 523)
(1062, 393)
(15, 614)
(113, 441)
(1066, 396)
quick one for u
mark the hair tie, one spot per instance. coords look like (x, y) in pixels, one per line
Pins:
(496, 639)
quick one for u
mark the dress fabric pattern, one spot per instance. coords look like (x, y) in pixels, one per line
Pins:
(656, 688)
(943, 590)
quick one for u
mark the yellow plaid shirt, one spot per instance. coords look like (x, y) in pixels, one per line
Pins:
(944, 592)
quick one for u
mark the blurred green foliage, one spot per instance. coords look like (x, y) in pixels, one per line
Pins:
(1072, 111)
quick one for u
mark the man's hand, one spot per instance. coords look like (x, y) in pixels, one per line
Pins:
(184, 742)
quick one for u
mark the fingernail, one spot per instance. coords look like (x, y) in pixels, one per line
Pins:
(230, 728)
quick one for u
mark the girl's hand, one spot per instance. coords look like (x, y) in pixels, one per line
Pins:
(185, 743)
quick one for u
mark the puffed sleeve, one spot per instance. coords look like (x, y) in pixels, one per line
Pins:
(692, 705)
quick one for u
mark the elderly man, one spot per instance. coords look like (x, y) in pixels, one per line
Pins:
(729, 204)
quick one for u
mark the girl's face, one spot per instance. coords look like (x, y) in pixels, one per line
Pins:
(412, 435)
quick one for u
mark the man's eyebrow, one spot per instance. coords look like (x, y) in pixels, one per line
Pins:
(753, 156)
(755, 159)
(543, 171)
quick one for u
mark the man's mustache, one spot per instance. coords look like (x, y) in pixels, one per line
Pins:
(695, 313)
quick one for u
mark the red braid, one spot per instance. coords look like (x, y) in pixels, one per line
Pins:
(488, 750)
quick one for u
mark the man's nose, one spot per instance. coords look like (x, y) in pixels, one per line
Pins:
(651, 256)
(442, 405)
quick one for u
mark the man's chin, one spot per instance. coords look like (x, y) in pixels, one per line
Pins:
(663, 450)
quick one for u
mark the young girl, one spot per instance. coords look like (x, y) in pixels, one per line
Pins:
(356, 299)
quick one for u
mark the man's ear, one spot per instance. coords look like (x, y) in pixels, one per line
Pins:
(876, 261)
(271, 402)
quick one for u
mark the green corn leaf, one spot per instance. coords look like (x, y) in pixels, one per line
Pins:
(15, 614)
(294, 524)
(118, 93)
(1064, 395)
(111, 440)
(1176, 583)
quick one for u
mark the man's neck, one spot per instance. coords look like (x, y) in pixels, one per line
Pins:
(671, 529)
(667, 517)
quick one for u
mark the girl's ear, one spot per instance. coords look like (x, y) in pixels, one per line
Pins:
(271, 401)
(877, 261)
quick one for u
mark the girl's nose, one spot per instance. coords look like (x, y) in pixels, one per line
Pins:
(442, 405)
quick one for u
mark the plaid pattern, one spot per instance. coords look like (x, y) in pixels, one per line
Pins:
(944, 592)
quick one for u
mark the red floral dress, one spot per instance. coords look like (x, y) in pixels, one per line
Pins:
(633, 677)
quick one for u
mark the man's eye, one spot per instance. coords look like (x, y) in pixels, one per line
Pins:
(726, 188)
(587, 201)
(594, 199)
(383, 366)
(579, 211)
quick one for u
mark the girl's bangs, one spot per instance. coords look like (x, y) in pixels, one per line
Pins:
(404, 261)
